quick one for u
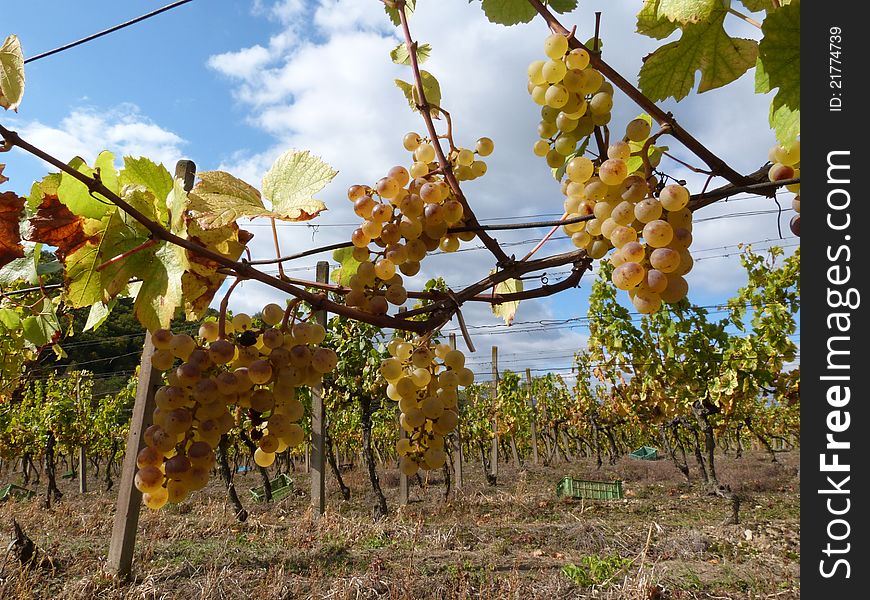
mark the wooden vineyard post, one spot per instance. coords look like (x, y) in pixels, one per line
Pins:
(129, 498)
(534, 423)
(83, 471)
(318, 422)
(494, 458)
(457, 438)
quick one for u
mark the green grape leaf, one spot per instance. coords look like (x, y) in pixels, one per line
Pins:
(42, 328)
(11, 211)
(779, 52)
(757, 5)
(687, 11)
(20, 269)
(11, 73)
(292, 181)
(401, 56)
(650, 24)
(40, 189)
(161, 293)
(512, 12)
(98, 314)
(670, 70)
(393, 13)
(348, 266)
(431, 88)
(508, 12)
(150, 175)
(9, 319)
(507, 310)
(74, 194)
(785, 121)
(219, 199)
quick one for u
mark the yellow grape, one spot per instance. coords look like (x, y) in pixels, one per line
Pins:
(555, 46)
(264, 459)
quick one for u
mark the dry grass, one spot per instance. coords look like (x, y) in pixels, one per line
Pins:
(503, 542)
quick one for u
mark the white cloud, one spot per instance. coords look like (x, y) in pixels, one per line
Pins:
(87, 131)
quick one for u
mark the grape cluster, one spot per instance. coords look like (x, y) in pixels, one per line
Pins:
(247, 376)
(786, 164)
(406, 215)
(574, 99)
(426, 391)
(648, 224)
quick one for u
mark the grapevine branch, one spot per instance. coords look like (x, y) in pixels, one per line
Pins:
(716, 164)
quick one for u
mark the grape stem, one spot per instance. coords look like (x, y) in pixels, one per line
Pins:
(222, 319)
(644, 152)
(289, 312)
(277, 247)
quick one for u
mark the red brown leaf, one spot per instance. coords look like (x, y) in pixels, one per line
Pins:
(11, 207)
(54, 224)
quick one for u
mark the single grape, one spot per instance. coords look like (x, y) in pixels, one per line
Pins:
(674, 197)
(555, 46)
(627, 275)
(209, 331)
(676, 290)
(411, 141)
(665, 260)
(658, 233)
(553, 71)
(646, 301)
(580, 169)
(637, 130)
(578, 58)
(613, 171)
(425, 153)
(484, 146)
(272, 314)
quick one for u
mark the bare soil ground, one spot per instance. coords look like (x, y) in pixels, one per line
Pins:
(516, 540)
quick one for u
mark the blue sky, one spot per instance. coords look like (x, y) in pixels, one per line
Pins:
(233, 84)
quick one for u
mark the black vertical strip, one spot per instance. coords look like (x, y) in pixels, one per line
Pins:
(834, 330)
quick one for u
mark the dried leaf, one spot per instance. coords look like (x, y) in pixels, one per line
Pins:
(11, 207)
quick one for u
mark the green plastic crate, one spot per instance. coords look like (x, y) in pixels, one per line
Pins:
(591, 490)
(10, 490)
(281, 487)
(68, 475)
(645, 453)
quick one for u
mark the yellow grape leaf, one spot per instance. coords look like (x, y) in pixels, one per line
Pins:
(201, 281)
(507, 310)
(292, 181)
(11, 73)
(219, 199)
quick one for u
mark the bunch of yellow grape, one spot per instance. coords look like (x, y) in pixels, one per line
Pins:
(406, 215)
(424, 381)
(648, 225)
(210, 377)
(574, 99)
(786, 164)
